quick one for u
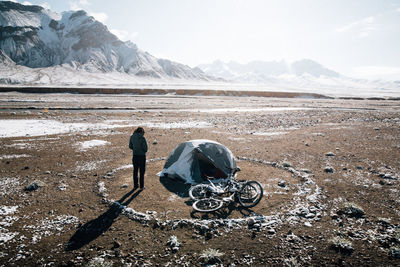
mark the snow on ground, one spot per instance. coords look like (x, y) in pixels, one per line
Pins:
(256, 109)
(6, 221)
(174, 125)
(16, 128)
(8, 185)
(14, 156)
(90, 166)
(6, 210)
(92, 143)
(269, 133)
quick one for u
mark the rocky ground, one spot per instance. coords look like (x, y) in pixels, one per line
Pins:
(329, 168)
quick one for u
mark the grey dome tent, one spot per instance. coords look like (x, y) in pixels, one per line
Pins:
(191, 160)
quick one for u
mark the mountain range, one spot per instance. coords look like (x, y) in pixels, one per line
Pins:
(264, 71)
(38, 38)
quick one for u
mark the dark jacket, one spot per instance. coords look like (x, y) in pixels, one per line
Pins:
(138, 144)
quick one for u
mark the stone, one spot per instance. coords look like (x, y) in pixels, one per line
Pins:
(330, 154)
(308, 224)
(271, 231)
(62, 187)
(35, 185)
(395, 252)
(116, 244)
(310, 215)
(329, 169)
(250, 222)
(282, 183)
(155, 142)
(286, 164)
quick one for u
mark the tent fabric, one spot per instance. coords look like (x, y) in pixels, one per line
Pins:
(191, 160)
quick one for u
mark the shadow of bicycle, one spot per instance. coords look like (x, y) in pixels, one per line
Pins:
(223, 213)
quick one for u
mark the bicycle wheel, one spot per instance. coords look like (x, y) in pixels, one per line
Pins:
(250, 194)
(200, 191)
(207, 205)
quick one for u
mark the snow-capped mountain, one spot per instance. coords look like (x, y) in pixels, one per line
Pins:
(40, 39)
(264, 71)
(300, 76)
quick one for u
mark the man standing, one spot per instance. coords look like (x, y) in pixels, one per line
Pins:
(138, 144)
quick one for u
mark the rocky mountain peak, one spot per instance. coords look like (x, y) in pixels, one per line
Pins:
(39, 38)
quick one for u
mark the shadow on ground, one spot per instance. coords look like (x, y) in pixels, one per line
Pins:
(175, 186)
(223, 213)
(95, 228)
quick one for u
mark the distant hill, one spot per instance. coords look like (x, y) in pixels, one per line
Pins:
(266, 71)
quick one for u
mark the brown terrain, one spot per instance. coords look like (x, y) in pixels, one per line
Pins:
(330, 171)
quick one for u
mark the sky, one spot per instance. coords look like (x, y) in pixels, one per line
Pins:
(357, 38)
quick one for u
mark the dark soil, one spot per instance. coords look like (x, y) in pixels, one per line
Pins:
(299, 221)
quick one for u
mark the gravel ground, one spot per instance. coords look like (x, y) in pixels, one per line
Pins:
(329, 169)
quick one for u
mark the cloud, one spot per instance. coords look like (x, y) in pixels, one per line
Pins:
(377, 72)
(27, 3)
(101, 16)
(363, 27)
(124, 35)
(78, 4)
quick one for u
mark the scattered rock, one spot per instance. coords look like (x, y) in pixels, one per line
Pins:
(62, 187)
(173, 243)
(116, 244)
(124, 186)
(155, 142)
(359, 167)
(329, 169)
(211, 256)
(250, 222)
(310, 215)
(330, 154)
(308, 224)
(341, 244)
(47, 172)
(282, 183)
(35, 185)
(26, 168)
(394, 252)
(286, 164)
(271, 231)
(353, 210)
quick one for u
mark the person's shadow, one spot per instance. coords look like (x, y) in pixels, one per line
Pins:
(96, 227)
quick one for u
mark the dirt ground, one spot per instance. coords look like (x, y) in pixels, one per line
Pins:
(329, 168)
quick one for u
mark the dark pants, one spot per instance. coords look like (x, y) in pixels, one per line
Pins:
(139, 164)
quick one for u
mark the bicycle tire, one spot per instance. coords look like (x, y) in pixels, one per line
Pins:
(207, 205)
(200, 191)
(250, 194)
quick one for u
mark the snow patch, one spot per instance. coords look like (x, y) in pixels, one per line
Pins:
(8, 185)
(92, 143)
(7, 210)
(15, 128)
(14, 156)
(90, 166)
(176, 125)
